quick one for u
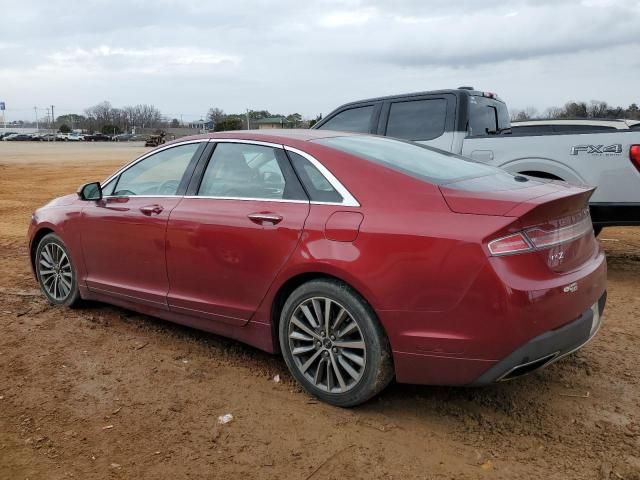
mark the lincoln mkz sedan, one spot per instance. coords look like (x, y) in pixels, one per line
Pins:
(358, 258)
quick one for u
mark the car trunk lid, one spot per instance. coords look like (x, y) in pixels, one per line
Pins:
(551, 218)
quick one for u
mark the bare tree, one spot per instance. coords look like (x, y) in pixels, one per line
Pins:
(528, 113)
(597, 109)
(216, 116)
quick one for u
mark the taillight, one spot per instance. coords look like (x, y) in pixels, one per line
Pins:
(548, 238)
(538, 238)
(634, 155)
(515, 243)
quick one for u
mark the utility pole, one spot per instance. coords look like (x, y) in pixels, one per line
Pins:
(248, 127)
(4, 118)
(53, 122)
(37, 125)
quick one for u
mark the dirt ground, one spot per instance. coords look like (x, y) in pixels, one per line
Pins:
(101, 392)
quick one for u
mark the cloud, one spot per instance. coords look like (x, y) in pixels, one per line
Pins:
(160, 60)
(348, 18)
(311, 56)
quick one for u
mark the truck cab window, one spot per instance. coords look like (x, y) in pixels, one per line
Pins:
(353, 120)
(487, 116)
(417, 119)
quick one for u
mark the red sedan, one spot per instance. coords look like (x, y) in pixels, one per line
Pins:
(359, 258)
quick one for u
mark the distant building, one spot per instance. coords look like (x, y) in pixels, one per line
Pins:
(271, 122)
(202, 125)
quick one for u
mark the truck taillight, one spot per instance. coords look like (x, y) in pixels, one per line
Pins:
(538, 238)
(634, 155)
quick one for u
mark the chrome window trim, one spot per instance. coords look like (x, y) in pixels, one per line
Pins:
(242, 140)
(348, 200)
(142, 196)
(146, 155)
(247, 199)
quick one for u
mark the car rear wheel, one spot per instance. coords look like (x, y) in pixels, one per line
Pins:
(55, 271)
(333, 343)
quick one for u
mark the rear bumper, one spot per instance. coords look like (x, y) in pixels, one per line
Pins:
(545, 349)
(615, 214)
(536, 353)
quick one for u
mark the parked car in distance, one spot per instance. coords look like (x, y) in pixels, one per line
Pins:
(75, 137)
(47, 137)
(300, 242)
(18, 137)
(476, 124)
(577, 125)
(123, 137)
(6, 134)
(97, 137)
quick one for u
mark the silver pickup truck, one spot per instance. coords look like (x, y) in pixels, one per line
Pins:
(476, 125)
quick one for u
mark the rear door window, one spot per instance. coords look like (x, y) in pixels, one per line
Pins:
(417, 119)
(243, 170)
(353, 120)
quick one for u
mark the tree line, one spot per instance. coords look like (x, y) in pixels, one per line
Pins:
(593, 109)
(222, 121)
(108, 119)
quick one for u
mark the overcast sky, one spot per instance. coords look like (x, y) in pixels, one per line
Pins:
(310, 56)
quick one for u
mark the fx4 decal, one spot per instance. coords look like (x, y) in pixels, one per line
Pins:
(597, 149)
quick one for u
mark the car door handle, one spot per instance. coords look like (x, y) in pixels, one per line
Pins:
(264, 218)
(151, 209)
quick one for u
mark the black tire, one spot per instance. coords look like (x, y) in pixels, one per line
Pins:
(597, 229)
(377, 369)
(69, 296)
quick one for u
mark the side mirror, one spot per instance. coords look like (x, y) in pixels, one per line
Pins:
(90, 191)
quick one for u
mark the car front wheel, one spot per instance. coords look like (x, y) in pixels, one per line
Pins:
(55, 271)
(334, 344)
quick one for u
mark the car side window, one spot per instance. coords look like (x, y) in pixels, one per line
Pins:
(317, 186)
(417, 119)
(353, 120)
(242, 170)
(158, 174)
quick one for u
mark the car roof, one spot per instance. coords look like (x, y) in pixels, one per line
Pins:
(279, 136)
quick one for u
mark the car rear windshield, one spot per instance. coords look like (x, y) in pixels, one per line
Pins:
(425, 163)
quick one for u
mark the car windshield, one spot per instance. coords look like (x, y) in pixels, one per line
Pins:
(425, 163)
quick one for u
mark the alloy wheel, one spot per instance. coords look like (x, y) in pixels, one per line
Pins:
(55, 272)
(327, 345)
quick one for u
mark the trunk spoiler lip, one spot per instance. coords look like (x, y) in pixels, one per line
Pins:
(527, 206)
(498, 202)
